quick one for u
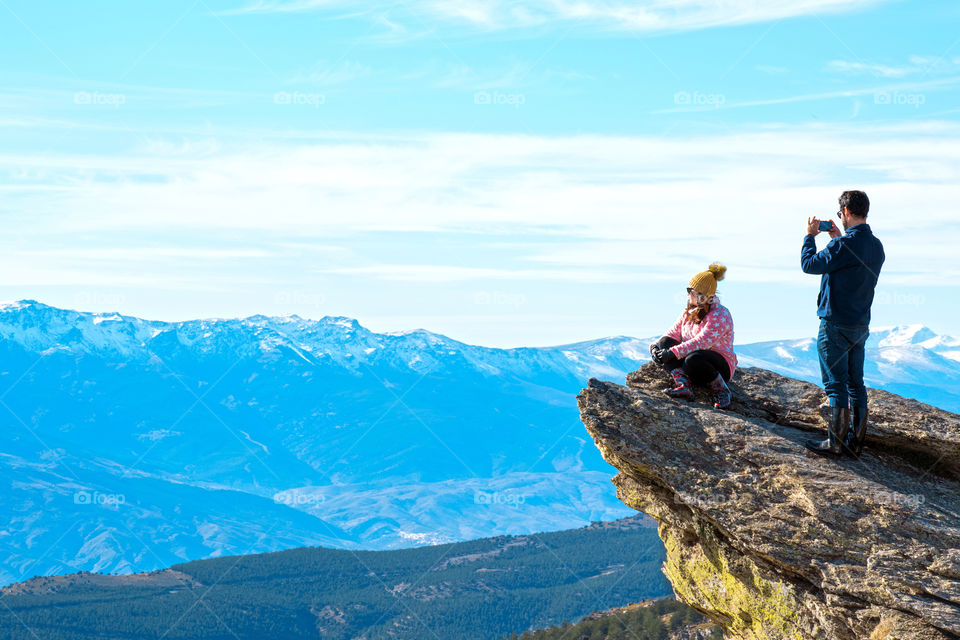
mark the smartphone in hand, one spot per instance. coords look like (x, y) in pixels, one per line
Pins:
(826, 225)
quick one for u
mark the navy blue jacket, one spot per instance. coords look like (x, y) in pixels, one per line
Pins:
(850, 265)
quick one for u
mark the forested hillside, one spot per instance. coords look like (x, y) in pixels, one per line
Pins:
(477, 590)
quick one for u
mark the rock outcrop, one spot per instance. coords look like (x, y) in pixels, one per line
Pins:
(772, 542)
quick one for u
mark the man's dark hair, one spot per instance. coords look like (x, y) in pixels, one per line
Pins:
(856, 201)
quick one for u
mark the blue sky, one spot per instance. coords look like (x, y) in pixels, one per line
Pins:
(506, 173)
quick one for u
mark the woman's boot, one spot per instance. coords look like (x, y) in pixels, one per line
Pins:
(683, 388)
(723, 392)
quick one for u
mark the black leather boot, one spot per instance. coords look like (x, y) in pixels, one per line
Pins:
(857, 433)
(836, 434)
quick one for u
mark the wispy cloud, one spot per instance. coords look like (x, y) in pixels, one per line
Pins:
(923, 65)
(450, 75)
(877, 91)
(650, 16)
(603, 206)
(332, 73)
(441, 224)
(772, 70)
(433, 73)
(285, 6)
(883, 71)
(451, 273)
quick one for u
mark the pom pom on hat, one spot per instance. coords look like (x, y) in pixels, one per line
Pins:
(718, 271)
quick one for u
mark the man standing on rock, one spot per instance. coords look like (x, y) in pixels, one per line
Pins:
(849, 267)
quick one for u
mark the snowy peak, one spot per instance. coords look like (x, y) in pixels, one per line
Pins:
(18, 305)
(39, 327)
(917, 344)
(911, 360)
(903, 335)
(340, 321)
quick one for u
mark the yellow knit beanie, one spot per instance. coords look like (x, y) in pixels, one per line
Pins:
(705, 282)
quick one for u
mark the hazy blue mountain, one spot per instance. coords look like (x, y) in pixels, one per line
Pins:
(128, 444)
(135, 444)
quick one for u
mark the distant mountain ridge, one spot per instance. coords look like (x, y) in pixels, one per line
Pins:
(130, 444)
(336, 339)
(909, 360)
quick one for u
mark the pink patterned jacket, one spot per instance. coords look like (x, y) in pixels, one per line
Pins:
(714, 333)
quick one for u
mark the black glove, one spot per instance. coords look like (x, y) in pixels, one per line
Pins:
(657, 353)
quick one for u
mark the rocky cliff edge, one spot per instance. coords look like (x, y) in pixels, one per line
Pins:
(773, 542)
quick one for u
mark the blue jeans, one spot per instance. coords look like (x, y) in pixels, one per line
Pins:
(840, 348)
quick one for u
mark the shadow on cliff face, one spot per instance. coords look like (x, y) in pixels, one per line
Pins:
(774, 542)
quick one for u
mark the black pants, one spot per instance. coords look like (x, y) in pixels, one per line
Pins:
(701, 366)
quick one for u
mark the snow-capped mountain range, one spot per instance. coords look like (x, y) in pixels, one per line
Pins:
(909, 360)
(130, 444)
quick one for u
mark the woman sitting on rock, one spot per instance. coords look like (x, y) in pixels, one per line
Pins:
(699, 347)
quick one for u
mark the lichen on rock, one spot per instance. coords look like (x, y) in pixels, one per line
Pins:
(774, 543)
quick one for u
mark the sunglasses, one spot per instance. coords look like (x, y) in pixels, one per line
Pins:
(840, 214)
